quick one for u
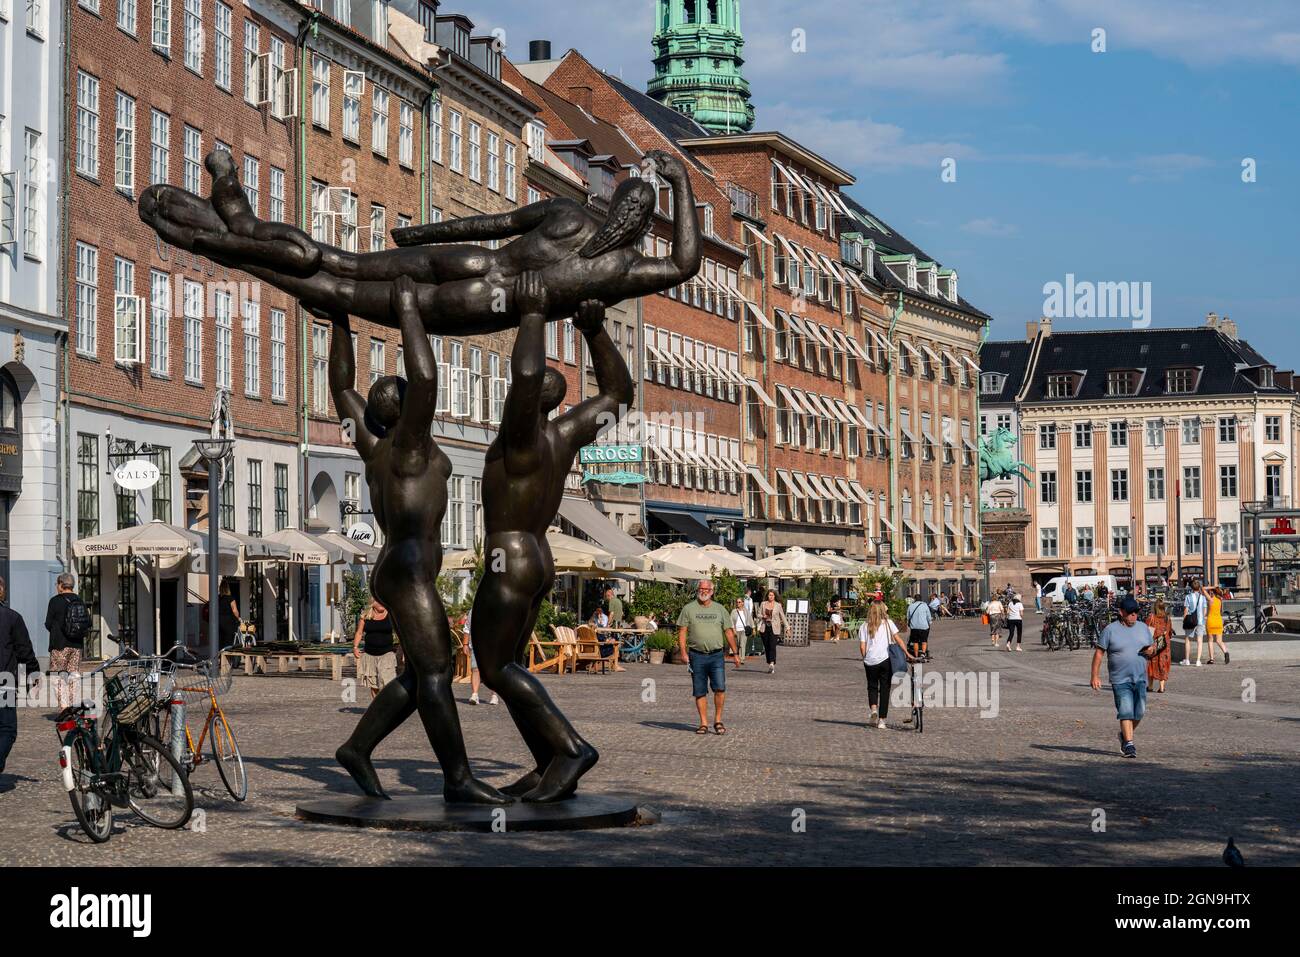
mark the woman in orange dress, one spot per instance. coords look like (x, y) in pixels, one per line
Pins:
(1162, 631)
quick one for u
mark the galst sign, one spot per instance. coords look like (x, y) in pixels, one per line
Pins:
(362, 534)
(137, 475)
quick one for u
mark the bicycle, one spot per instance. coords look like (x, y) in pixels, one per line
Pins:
(918, 700)
(1234, 623)
(124, 767)
(195, 683)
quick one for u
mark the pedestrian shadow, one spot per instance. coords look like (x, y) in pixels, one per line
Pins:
(669, 726)
(847, 724)
(1072, 749)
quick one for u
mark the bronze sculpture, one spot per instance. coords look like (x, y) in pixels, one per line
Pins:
(563, 261)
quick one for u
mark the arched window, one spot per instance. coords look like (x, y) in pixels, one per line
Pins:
(10, 403)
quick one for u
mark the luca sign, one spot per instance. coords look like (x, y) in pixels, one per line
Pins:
(137, 475)
(610, 454)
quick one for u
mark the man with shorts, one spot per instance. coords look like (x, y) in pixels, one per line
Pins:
(703, 631)
(1127, 644)
(919, 618)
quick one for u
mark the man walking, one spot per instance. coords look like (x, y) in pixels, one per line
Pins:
(1038, 597)
(15, 651)
(1196, 608)
(1127, 644)
(919, 618)
(703, 631)
(67, 621)
(614, 607)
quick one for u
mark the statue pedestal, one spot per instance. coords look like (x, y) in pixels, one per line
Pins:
(1004, 545)
(428, 812)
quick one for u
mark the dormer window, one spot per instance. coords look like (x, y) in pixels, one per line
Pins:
(1265, 377)
(1180, 381)
(1122, 382)
(925, 276)
(1063, 385)
(991, 383)
(948, 284)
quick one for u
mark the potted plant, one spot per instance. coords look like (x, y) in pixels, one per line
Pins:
(660, 644)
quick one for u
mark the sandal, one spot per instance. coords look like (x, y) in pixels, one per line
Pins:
(702, 729)
(719, 728)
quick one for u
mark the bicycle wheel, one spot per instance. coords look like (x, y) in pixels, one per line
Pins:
(1234, 627)
(225, 752)
(93, 811)
(1274, 627)
(157, 788)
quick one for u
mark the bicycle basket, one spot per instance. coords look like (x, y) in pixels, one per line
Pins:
(129, 696)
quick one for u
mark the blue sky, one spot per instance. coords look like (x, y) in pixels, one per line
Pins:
(1124, 165)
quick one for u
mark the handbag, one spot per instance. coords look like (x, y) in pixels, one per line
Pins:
(897, 658)
(984, 619)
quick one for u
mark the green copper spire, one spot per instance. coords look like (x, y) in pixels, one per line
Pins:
(697, 46)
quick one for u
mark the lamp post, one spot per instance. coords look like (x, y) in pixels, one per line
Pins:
(1207, 527)
(1253, 509)
(213, 450)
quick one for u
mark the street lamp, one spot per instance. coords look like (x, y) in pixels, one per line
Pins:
(1208, 527)
(213, 450)
(1253, 509)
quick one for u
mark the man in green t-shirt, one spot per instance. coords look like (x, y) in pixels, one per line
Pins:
(703, 631)
(614, 606)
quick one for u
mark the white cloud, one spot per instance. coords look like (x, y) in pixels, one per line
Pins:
(990, 227)
(860, 142)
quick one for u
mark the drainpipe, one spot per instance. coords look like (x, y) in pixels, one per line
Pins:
(426, 109)
(979, 506)
(895, 507)
(304, 184)
(63, 421)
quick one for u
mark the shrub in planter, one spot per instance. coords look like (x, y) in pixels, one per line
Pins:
(660, 644)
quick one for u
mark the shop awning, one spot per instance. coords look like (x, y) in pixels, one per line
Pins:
(972, 530)
(860, 492)
(973, 367)
(884, 520)
(760, 480)
(820, 491)
(838, 410)
(596, 525)
(934, 356)
(903, 343)
(787, 480)
(853, 278)
(801, 481)
(814, 402)
(757, 233)
(762, 395)
(832, 486)
(797, 324)
(819, 333)
(856, 414)
(847, 491)
(793, 400)
(688, 525)
(911, 526)
(759, 315)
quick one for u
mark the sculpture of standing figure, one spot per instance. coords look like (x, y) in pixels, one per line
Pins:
(407, 475)
(523, 482)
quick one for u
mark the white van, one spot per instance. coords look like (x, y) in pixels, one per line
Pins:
(1054, 590)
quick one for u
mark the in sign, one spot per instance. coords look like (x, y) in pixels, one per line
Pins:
(137, 475)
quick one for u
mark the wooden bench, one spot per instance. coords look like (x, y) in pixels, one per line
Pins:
(284, 663)
(548, 656)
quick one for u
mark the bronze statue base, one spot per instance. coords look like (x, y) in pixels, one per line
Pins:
(417, 812)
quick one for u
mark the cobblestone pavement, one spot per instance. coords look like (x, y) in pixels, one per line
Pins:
(1026, 786)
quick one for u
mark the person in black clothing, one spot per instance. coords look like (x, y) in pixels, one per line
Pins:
(374, 650)
(67, 635)
(15, 652)
(227, 615)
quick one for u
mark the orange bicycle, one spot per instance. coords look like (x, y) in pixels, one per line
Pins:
(194, 686)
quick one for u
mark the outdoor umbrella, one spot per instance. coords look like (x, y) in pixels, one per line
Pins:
(258, 549)
(850, 567)
(155, 540)
(684, 560)
(794, 562)
(354, 552)
(733, 562)
(305, 549)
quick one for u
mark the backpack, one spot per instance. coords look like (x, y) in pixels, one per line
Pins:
(76, 620)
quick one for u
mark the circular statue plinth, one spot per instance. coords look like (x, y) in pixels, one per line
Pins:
(422, 812)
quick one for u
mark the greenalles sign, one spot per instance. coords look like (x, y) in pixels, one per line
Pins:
(611, 454)
(621, 477)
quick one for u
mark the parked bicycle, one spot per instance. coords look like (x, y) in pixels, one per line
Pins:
(198, 684)
(115, 763)
(1234, 623)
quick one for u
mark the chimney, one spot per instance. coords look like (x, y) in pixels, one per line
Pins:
(1228, 328)
(581, 95)
(539, 50)
(1212, 320)
(1031, 331)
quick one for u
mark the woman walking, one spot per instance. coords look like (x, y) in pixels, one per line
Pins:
(773, 624)
(1214, 622)
(377, 663)
(743, 625)
(874, 636)
(995, 612)
(1015, 623)
(1162, 633)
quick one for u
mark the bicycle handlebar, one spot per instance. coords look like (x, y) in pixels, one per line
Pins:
(124, 653)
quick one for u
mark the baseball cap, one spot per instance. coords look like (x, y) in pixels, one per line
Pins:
(1128, 605)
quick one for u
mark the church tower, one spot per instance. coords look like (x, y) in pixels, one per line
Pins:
(697, 59)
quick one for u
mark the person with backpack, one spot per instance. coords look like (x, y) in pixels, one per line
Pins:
(15, 652)
(919, 618)
(68, 622)
(1196, 610)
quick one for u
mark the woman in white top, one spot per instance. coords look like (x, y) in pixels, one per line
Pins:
(996, 613)
(874, 637)
(1015, 623)
(742, 623)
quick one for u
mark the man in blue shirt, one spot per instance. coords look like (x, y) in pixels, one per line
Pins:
(1071, 596)
(1127, 644)
(1195, 606)
(919, 617)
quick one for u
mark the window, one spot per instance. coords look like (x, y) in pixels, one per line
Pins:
(1119, 485)
(1192, 481)
(1156, 539)
(33, 181)
(161, 33)
(378, 227)
(1083, 435)
(1191, 539)
(405, 133)
(1155, 485)
(320, 91)
(1272, 428)
(1227, 430)
(1119, 540)
(254, 497)
(222, 305)
(354, 82)
(252, 348)
(1047, 436)
(281, 497)
(87, 307)
(1119, 435)
(1083, 486)
(1122, 382)
(224, 48)
(193, 160)
(435, 131)
(1047, 488)
(991, 383)
(1060, 386)
(278, 348)
(160, 320)
(275, 208)
(319, 369)
(379, 121)
(1083, 540)
(162, 489)
(1180, 381)
(252, 180)
(1273, 482)
(1227, 481)
(494, 162)
(1155, 433)
(475, 153)
(1047, 542)
(194, 35)
(1229, 537)
(126, 313)
(36, 17)
(347, 221)
(160, 151)
(456, 146)
(376, 360)
(252, 65)
(192, 304)
(1191, 431)
(87, 124)
(512, 174)
(226, 500)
